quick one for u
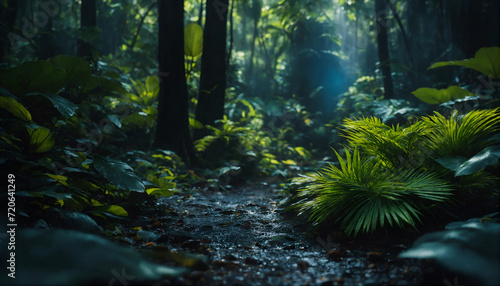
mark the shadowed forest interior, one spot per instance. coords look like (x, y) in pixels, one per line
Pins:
(250, 142)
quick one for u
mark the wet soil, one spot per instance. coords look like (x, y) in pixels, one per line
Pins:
(244, 239)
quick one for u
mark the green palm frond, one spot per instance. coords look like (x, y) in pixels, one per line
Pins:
(462, 136)
(395, 146)
(363, 194)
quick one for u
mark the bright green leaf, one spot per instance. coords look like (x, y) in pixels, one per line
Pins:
(193, 40)
(115, 210)
(15, 108)
(485, 61)
(195, 123)
(41, 139)
(438, 96)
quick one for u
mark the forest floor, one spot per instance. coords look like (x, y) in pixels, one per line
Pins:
(242, 238)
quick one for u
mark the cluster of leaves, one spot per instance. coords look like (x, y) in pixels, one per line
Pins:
(365, 98)
(486, 61)
(53, 128)
(394, 174)
(241, 138)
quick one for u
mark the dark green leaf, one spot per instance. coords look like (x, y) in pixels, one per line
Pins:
(64, 106)
(35, 76)
(118, 173)
(486, 157)
(470, 248)
(77, 69)
(452, 163)
(68, 257)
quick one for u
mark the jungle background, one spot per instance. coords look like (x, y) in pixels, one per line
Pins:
(250, 142)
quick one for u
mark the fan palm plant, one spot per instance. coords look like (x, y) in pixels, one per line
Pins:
(461, 135)
(395, 146)
(363, 194)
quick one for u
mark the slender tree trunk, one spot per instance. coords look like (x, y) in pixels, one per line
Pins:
(200, 14)
(172, 129)
(210, 105)
(383, 47)
(231, 34)
(88, 18)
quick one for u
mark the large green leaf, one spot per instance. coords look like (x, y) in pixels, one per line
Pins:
(77, 69)
(193, 40)
(68, 257)
(451, 163)
(64, 106)
(486, 61)
(35, 76)
(488, 156)
(438, 96)
(470, 248)
(118, 173)
(41, 139)
(15, 108)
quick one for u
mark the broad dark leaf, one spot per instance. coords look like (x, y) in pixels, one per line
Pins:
(118, 173)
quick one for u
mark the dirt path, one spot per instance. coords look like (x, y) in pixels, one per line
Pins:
(247, 242)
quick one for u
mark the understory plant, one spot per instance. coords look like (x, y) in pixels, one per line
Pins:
(363, 194)
(393, 175)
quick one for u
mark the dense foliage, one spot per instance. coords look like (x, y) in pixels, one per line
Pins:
(406, 93)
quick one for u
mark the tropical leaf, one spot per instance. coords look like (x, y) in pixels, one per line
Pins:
(34, 76)
(71, 256)
(470, 248)
(77, 70)
(40, 138)
(488, 156)
(438, 96)
(485, 61)
(193, 40)
(15, 108)
(118, 173)
(64, 106)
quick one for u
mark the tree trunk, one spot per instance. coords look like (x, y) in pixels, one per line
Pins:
(231, 34)
(172, 129)
(210, 105)
(88, 18)
(383, 47)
